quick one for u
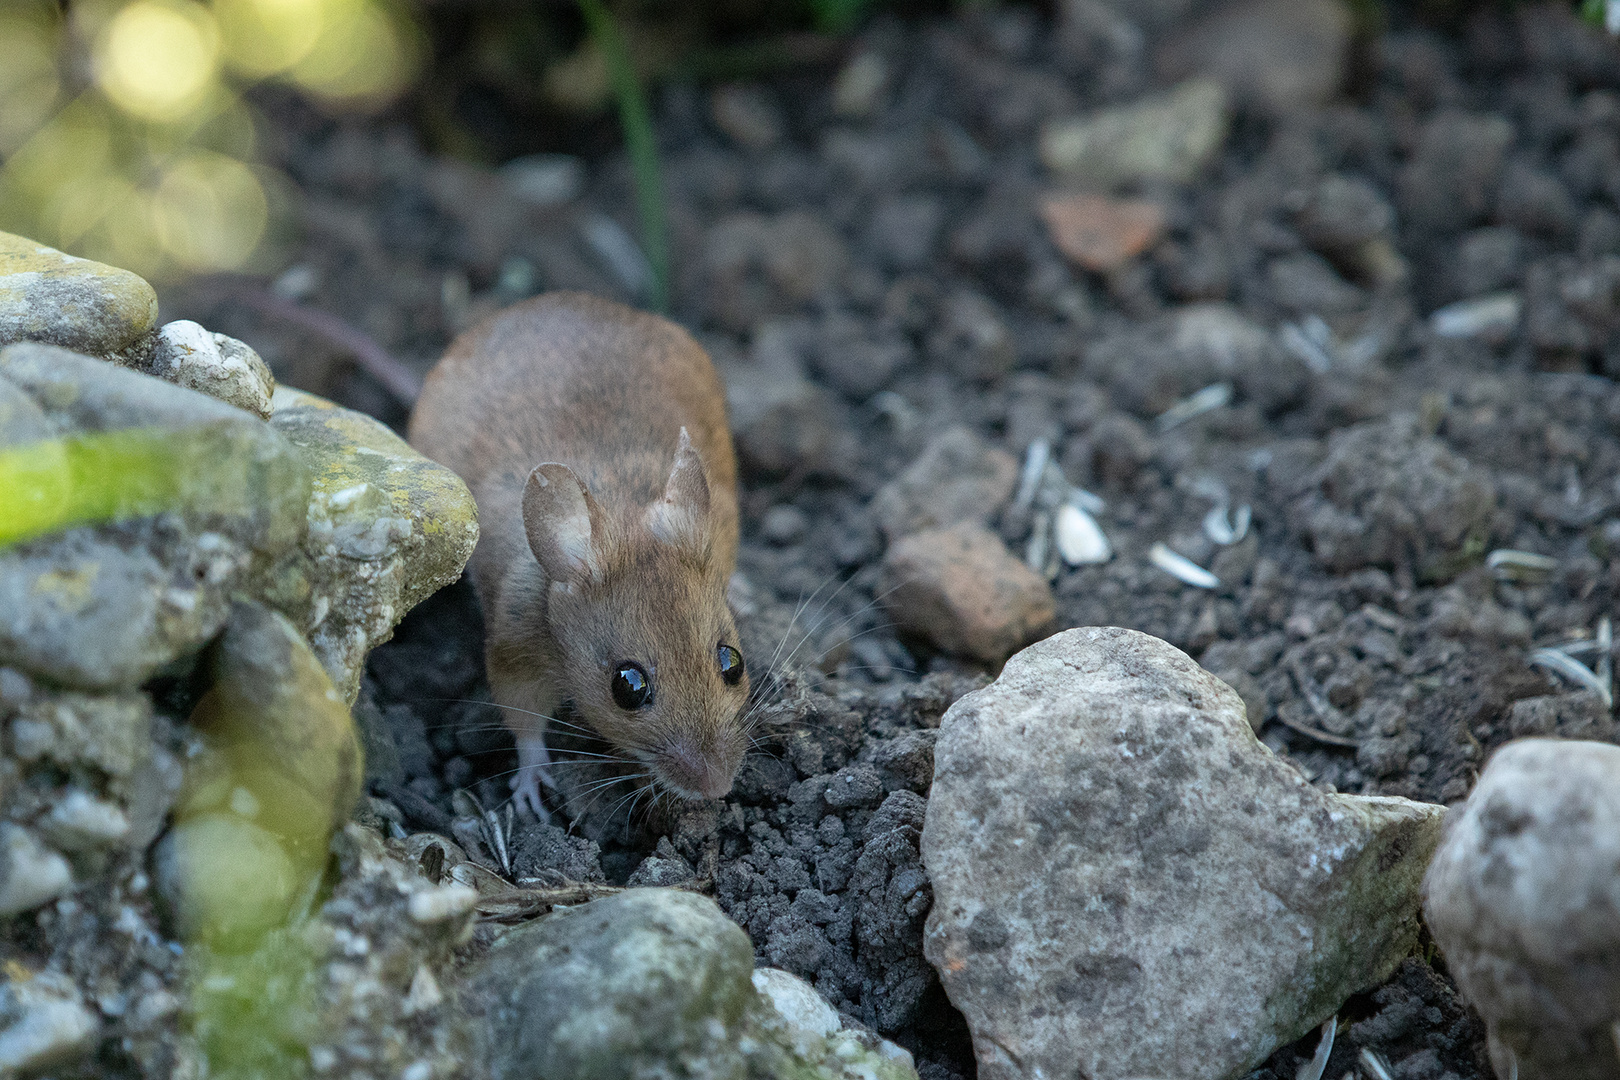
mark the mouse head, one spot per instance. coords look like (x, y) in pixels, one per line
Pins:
(637, 608)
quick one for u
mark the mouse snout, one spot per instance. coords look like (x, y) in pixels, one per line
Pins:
(696, 771)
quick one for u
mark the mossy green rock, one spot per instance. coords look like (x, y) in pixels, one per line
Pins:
(279, 772)
(649, 984)
(46, 295)
(387, 528)
(100, 607)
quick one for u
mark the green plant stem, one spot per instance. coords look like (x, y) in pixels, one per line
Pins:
(636, 120)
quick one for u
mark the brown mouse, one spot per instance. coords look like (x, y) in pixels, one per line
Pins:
(594, 439)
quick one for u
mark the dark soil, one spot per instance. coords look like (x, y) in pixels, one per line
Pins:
(1359, 605)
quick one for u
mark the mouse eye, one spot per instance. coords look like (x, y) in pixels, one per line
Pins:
(731, 665)
(631, 687)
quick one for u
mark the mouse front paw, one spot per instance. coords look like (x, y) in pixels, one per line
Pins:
(526, 793)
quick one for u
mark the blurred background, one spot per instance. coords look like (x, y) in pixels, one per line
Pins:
(402, 166)
(132, 131)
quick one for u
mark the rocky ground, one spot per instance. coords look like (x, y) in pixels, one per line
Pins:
(1359, 294)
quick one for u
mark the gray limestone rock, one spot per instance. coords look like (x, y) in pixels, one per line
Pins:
(650, 984)
(1126, 881)
(21, 421)
(1523, 899)
(227, 471)
(85, 394)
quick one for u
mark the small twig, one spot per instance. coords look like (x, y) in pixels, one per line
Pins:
(1319, 736)
(1318, 704)
(376, 361)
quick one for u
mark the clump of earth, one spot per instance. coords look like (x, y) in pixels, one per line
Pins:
(1374, 299)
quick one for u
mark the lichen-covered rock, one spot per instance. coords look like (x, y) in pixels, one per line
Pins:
(221, 367)
(387, 528)
(1524, 901)
(48, 296)
(1126, 881)
(653, 984)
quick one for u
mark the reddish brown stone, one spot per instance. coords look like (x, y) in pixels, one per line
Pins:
(964, 591)
(1099, 233)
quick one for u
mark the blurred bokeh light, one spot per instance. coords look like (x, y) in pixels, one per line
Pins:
(124, 135)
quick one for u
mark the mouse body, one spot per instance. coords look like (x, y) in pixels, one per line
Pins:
(594, 440)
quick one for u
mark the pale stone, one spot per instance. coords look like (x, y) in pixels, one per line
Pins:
(214, 364)
(1167, 137)
(1523, 899)
(1127, 883)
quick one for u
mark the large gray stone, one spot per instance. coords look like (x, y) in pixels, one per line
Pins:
(649, 984)
(228, 471)
(82, 393)
(1128, 883)
(21, 421)
(1523, 899)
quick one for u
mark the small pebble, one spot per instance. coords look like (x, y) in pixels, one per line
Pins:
(30, 872)
(49, 1031)
(544, 180)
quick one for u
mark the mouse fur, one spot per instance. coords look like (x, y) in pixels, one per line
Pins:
(594, 439)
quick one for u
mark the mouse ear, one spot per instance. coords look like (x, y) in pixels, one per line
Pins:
(557, 515)
(681, 516)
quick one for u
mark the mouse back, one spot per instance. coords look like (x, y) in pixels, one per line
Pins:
(572, 378)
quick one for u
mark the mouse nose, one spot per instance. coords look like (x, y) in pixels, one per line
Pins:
(697, 773)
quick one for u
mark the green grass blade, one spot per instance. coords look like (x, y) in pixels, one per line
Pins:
(636, 120)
